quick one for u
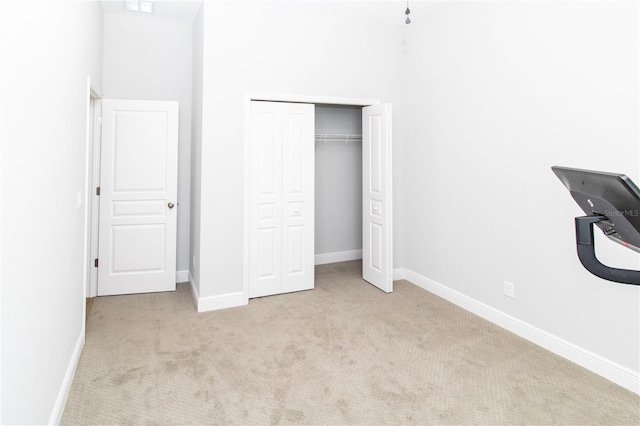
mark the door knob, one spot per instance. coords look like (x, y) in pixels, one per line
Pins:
(170, 205)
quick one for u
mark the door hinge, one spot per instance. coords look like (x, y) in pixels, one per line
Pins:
(95, 263)
(99, 120)
(98, 190)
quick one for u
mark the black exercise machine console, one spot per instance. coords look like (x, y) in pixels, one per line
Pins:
(611, 202)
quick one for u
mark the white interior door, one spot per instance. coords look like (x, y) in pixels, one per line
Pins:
(138, 193)
(377, 222)
(281, 234)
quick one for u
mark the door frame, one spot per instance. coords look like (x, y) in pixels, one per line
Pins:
(91, 219)
(276, 97)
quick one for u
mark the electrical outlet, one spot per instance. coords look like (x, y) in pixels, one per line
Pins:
(509, 290)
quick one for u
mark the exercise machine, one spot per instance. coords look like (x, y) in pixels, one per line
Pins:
(611, 201)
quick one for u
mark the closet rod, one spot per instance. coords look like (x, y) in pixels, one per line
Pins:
(338, 137)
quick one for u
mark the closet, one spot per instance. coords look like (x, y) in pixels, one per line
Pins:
(317, 190)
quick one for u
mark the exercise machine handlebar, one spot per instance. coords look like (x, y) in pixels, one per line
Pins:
(587, 255)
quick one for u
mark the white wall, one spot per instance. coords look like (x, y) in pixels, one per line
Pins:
(48, 50)
(196, 145)
(338, 181)
(150, 58)
(342, 49)
(497, 93)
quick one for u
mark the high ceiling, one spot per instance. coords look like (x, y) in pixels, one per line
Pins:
(178, 10)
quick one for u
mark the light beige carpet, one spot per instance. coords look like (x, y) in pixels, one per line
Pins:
(344, 353)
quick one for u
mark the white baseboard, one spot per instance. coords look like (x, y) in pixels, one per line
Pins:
(213, 303)
(339, 256)
(221, 301)
(182, 276)
(399, 274)
(608, 369)
(63, 393)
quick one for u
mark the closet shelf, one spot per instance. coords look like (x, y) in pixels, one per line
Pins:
(338, 137)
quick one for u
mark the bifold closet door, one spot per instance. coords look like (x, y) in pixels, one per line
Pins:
(377, 223)
(281, 228)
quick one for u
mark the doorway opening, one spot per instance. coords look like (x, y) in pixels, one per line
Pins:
(131, 188)
(338, 183)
